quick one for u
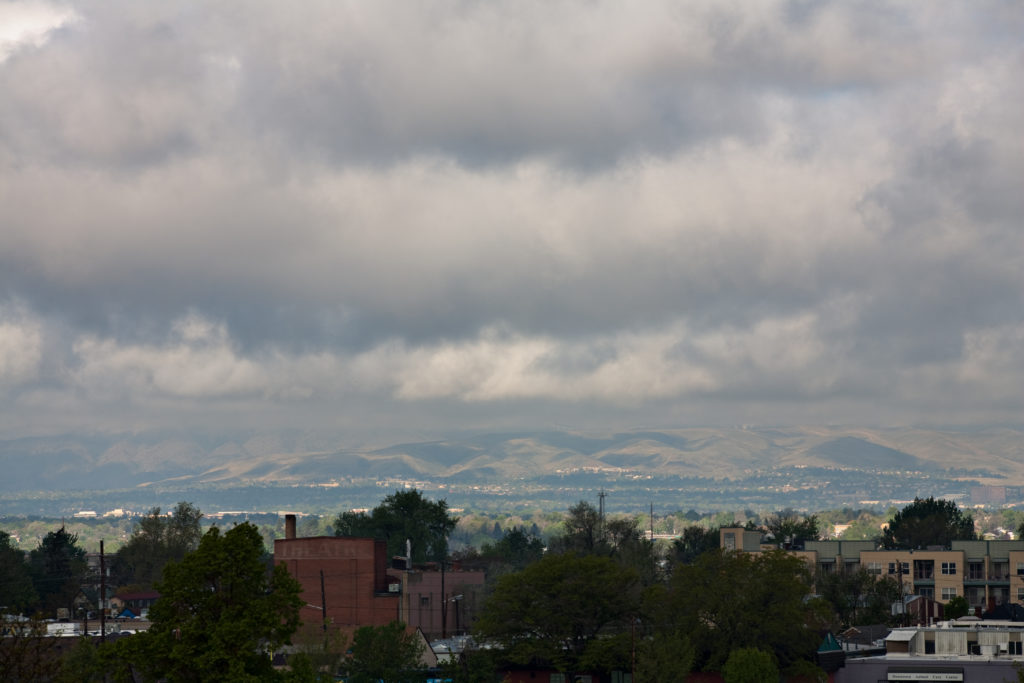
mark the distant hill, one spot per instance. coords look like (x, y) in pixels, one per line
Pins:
(69, 462)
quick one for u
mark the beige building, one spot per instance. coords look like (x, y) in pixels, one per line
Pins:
(987, 573)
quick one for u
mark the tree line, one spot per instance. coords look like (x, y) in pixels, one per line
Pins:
(599, 597)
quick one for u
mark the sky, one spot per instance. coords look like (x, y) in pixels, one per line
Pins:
(392, 219)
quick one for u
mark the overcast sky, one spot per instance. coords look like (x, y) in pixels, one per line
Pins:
(401, 218)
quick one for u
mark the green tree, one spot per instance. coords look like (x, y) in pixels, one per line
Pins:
(620, 538)
(404, 515)
(695, 541)
(58, 568)
(956, 607)
(387, 653)
(221, 613)
(878, 602)
(750, 665)
(157, 540)
(664, 656)
(473, 665)
(516, 549)
(849, 595)
(570, 610)
(791, 529)
(928, 522)
(725, 601)
(16, 590)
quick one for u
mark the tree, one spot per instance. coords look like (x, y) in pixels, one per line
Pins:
(404, 515)
(582, 529)
(570, 610)
(621, 538)
(664, 656)
(220, 612)
(928, 522)
(16, 590)
(725, 601)
(58, 568)
(857, 597)
(956, 607)
(26, 654)
(384, 653)
(513, 552)
(695, 541)
(791, 529)
(157, 540)
(750, 665)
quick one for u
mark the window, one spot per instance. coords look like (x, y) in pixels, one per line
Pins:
(1020, 594)
(949, 568)
(1020, 569)
(1014, 648)
(899, 568)
(424, 600)
(976, 571)
(730, 543)
(827, 567)
(948, 593)
(924, 569)
(874, 568)
(926, 592)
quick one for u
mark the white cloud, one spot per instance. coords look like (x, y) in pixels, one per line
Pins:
(21, 346)
(30, 24)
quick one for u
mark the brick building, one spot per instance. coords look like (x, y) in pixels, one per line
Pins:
(360, 587)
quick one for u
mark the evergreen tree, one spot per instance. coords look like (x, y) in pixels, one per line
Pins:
(58, 568)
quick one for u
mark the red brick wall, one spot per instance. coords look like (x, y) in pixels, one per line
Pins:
(355, 579)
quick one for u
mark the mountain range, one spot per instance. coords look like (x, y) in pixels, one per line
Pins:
(123, 461)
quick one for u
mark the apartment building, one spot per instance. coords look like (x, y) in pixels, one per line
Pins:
(987, 573)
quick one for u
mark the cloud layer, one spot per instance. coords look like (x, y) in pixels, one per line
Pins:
(380, 216)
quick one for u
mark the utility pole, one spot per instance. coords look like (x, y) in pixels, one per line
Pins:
(103, 595)
(323, 600)
(600, 510)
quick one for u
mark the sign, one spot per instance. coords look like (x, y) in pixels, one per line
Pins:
(925, 676)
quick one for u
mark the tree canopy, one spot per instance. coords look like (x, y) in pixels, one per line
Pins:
(750, 665)
(569, 610)
(725, 601)
(928, 522)
(157, 540)
(384, 653)
(619, 538)
(404, 515)
(791, 529)
(221, 612)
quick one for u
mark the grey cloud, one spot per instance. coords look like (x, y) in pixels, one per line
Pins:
(461, 205)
